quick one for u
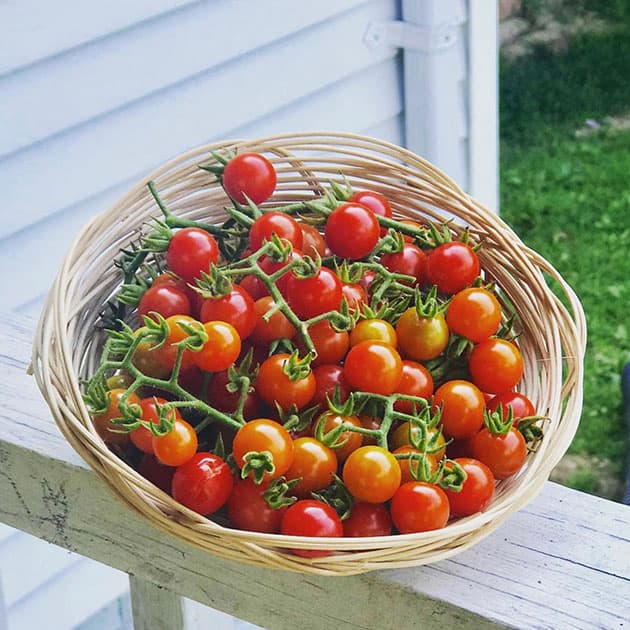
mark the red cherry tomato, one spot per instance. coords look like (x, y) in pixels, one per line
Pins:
(313, 519)
(203, 484)
(352, 231)
(271, 266)
(167, 353)
(276, 327)
(327, 378)
(376, 202)
(410, 261)
(371, 474)
(251, 175)
(164, 299)
(236, 308)
(419, 507)
(521, 406)
(495, 365)
(452, 267)
(372, 366)
(503, 454)
(248, 509)
(313, 296)
(313, 243)
(355, 295)
(190, 252)
(226, 401)
(254, 286)
(278, 223)
(367, 280)
(331, 346)
(261, 435)
(477, 491)
(474, 313)
(158, 474)
(416, 381)
(367, 519)
(178, 446)
(462, 408)
(313, 463)
(221, 349)
(274, 386)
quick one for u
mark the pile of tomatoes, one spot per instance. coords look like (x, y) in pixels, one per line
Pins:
(314, 369)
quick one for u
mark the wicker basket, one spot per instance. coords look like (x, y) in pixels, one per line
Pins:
(552, 338)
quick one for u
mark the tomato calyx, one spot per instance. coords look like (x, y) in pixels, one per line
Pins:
(452, 475)
(337, 496)
(256, 464)
(498, 422)
(531, 429)
(295, 420)
(276, 494)
(297, 368)
(428, 306)
(213, 284)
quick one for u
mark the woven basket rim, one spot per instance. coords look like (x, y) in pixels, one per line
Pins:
(59, 332)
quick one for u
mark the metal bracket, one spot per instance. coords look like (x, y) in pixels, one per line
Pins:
(399, 34)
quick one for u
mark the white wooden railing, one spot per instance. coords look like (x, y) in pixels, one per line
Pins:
(562, 562)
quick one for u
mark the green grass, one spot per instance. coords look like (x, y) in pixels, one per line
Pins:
(569, 199)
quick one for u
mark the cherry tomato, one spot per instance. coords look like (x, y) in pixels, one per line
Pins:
(169, 279)
(251, 175)
(410, 261)
(355, 295)
(313, 519)
(276, 327)
(352, 231)
(401, 437)
(191, 380)
(477, 491)
(221, 349)
(147, 359)
(223, 400)
(190, 252)
(278, 223)
(261, 435)
(452, 267)
(313, 296)
(372, 366)
(367, 280)
(164, 299)
(416, 381)
(522, 407)
(331, 346)
(371, 474)
(158, 474)
(236, 308)
(327, 378)
(419, 507)
(248, 509)
(503, 454)
(374, 424)
(203, 484)
(495, 365)
(167, 353)
(314, 463)
(108, 431)
(313, 243)
(376, 202)
(142, 437)
(421, 338)
(374, 329)
(351, 439)
(474, 313)
(271, 266)
(274, 386)
(367, 519)
(254, 286)
(178, 446)
(462, 408)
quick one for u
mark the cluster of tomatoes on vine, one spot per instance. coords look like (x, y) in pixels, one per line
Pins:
(307, 369)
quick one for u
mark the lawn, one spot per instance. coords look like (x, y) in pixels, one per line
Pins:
(565, 188)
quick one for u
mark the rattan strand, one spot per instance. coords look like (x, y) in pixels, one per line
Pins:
(552, 337)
